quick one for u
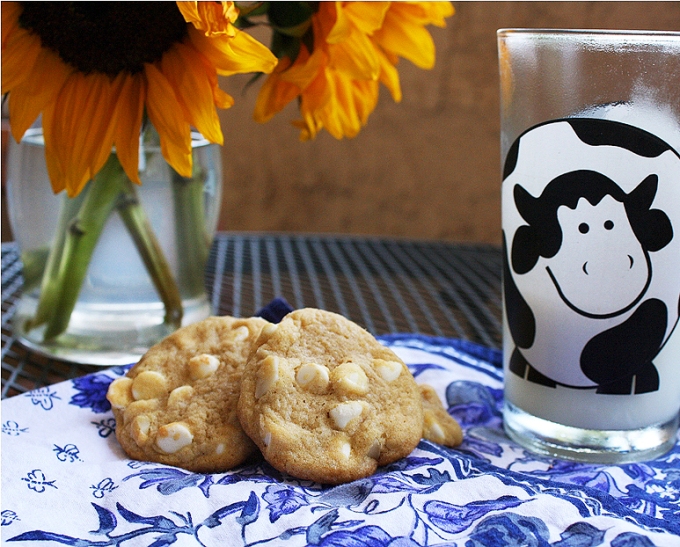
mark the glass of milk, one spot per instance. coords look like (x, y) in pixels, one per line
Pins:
(590, 159)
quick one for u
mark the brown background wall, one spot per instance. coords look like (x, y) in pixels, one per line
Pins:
(427, 168)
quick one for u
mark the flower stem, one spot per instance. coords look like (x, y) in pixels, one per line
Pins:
(193, 242)
(81, 223)
(137, 224)
(60, 292)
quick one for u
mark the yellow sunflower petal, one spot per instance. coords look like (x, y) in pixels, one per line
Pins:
(166, 114)
(274, 94)
(54, 170)
(356, 57)
(19, 54)
(305, 68)
(234, 55)
(30, 97)
(128, 116)
(406, 39)
(214, 18)
(78, 122)
(10, 18)
(366, 16)
(389, 76)
(188, 71)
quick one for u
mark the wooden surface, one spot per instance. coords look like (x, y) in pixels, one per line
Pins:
(426, 168)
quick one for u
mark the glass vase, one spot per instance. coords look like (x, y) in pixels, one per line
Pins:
(112, 271)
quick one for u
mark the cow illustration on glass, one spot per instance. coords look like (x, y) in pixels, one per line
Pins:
(592, 255)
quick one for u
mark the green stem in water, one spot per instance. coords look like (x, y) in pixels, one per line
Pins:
(81, 237)
(137, 224)
(193, 242)
(81, 224)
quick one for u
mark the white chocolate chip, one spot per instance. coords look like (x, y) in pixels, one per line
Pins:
(267, 438)
(313, 377)
(268, 375)
(119, 393)
(345, 450)
(374, 450)
(149, 385)
(180, 395)
(202, 366)
(349, 378)
(266, 333)
(432, 429)
(173, 437)
(139, 429)
(219, 449)
(241, 333)
(388, 370)
(344, 413)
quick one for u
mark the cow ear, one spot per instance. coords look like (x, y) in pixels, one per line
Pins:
(525, 249)
(652, 227)
(642, 196)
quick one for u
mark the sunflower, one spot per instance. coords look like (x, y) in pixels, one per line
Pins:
(354, 47)
(95, 70)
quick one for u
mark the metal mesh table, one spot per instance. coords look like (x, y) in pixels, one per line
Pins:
(385, 285)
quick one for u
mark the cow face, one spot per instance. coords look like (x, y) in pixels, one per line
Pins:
(601, 268)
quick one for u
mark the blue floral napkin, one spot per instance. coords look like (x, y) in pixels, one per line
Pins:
(65, 480)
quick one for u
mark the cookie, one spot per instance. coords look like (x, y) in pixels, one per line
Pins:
(177, 406)
(325, 401)
(438, 425)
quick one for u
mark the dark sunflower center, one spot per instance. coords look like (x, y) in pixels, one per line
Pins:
(108, 37)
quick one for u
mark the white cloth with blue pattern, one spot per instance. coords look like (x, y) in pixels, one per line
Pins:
(66, 481)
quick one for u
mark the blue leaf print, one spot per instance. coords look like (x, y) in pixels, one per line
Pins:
(250, 512)
(321, 526)
(352, 493)
(580, 534)
(158, 521)
(456, 518)
(215, 519)
(39, 535)
(367, 536)
(418, 369)
(92, 388)
(631, 539)
(509, 529)
(169, 480)
(107, 521)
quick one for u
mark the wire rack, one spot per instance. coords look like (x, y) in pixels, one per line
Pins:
(385, 285)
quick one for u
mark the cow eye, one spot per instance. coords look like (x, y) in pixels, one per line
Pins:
(608, 225)
(583, 228)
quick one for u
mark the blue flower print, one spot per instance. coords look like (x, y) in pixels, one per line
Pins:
(104, 487)
(43, 397)
(69, 453)
(92, 388)
(12, 428)
(37, 481)
(105, 427)
(8, 517)
(283, 500)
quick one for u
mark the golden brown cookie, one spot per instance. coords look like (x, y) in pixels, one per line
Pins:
(325, 401)
(438, 425)
(177, 406)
